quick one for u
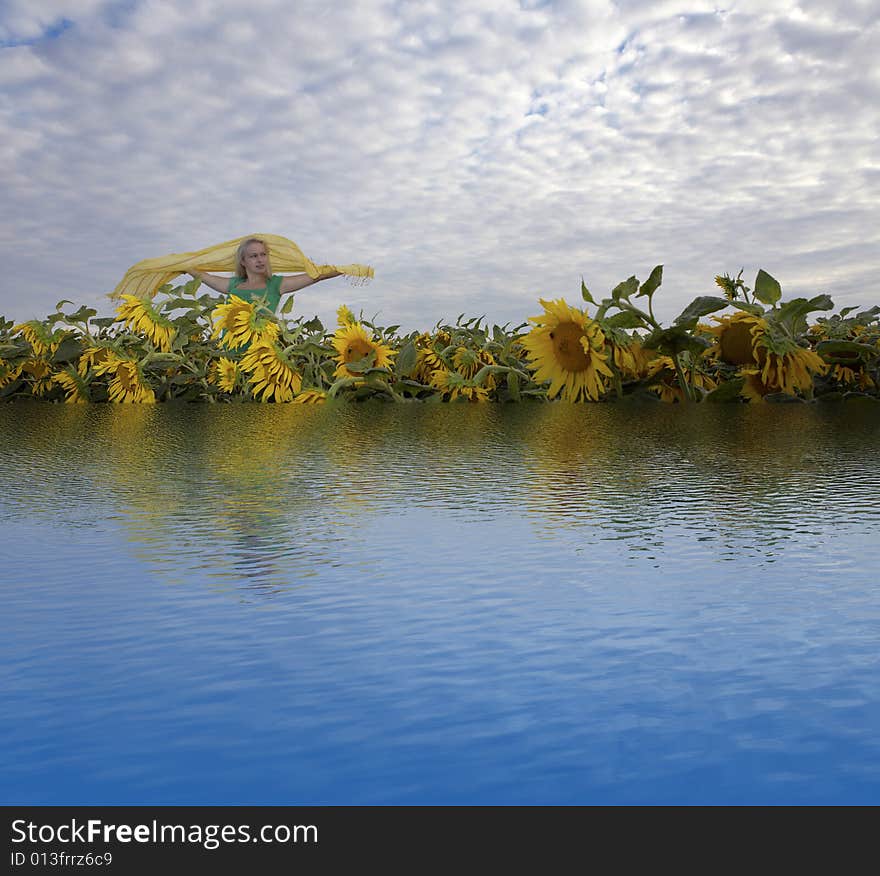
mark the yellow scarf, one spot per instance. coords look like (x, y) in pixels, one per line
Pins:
(144, 278)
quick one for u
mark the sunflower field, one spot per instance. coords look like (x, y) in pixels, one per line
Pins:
(189, 347)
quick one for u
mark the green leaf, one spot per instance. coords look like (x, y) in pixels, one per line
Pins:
(185, 325)
(412, 387)
(625, 289)
(406, 360)
(675, 340)
(650, 286)
(304, 349)
(793, 313)
(176, 304)
(340, 384)
(63, 301)
(68, 349)
(701, 306)
(867, 315)
(84, 314)
(287, 306)
(362, 365)
(11, 351)
(754, 309)
(104, 321)
(729, 391)
(585, 293)
(161, 361)
(843, 352)
(313, 325)
(767, 289)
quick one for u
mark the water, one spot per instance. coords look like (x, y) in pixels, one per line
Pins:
(440, 604)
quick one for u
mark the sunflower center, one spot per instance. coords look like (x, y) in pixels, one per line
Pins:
(569, 353)
(37, 369)
(736, 344)
(356, 350)
(126, 381)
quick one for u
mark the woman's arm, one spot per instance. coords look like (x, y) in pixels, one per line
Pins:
(300, 281)
(220, 284)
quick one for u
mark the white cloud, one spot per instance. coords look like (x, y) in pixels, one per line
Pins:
(478, 154)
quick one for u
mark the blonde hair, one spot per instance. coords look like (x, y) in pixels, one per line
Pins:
(240, 271)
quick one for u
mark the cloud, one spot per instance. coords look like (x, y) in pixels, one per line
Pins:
(478, 154)
(22, 21)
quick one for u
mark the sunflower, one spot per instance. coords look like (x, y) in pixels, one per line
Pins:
(310, 397)
(754, 389)
(40, 373)
(454, 385)
(791, 371)
(727, 285)
(779, 364)
(9, 373)
(42, 341)
(224, 374)
(849, 376)
(428, 359)
(140, 316)
(567, 348)
(668, 387)
(270, 373)
(238, 323)
(73, 384)
(737, 337)
(101, 359)
(352, 343)
(344, 316)
(128, 383)
(468, 362)
(631, 360)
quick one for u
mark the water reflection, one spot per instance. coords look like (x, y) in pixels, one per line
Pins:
(735, 480)
(265, 496)
(386, 604)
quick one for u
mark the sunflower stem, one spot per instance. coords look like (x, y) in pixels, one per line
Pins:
(682, 379)
(648, 318)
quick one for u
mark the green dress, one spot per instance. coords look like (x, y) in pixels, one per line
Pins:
(269, 295)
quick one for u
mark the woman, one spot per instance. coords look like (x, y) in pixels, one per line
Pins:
(254, 279)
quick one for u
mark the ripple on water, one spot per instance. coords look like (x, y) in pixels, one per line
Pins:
(533, 603)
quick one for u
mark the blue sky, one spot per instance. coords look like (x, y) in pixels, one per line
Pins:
(478, 154)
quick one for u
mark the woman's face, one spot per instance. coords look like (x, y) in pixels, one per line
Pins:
(256, 258)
